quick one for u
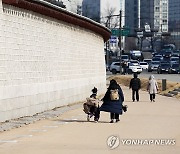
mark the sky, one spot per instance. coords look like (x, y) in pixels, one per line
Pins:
(73, 3)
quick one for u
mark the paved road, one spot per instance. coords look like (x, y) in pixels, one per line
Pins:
(156, 125)
(169, 77)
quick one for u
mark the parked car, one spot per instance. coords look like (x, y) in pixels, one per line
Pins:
(174, 68)
(154, 53)
(114, 67)
(153, 66)
(176, 53)
(167, 54)
(159, 56)
(144, 65)
(163, 67)
(162, 52)
(136, 55)
(148, 61)
(156, 59)
(174, 59)
(134, 68)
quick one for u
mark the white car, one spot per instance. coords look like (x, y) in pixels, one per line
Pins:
(115, 67)
(134, 68)
(144, 65)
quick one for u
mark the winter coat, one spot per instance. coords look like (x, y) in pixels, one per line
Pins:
(113, 106)
(152, 85)
(135, 83)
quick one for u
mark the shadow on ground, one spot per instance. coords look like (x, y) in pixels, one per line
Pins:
(79, 121)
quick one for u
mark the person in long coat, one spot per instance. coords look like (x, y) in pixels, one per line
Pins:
(113, 106)
(152, 88)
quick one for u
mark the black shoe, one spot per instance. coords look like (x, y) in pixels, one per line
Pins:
(112, 121)
(117, 120)
(96, 119)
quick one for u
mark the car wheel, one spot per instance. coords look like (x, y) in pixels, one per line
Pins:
(114, 71)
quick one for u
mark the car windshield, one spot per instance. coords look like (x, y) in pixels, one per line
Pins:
(143, 63)
(176, 51)
(174, 59)
(175, 66)
(156, 63)
(156, 59)
(117, 64)
(134, 61)
(147, 60)
(167, 52)
(164, 65)
(133, 64)
(124, 57)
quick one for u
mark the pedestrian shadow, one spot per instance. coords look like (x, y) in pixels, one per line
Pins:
(77, 120)
(131, 102)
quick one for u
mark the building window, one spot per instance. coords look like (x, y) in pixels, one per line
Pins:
(164, 21)
(156, 9)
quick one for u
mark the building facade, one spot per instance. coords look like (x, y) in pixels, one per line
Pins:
(174, 21)
(91, 9)
(131, 14)
(154, 13)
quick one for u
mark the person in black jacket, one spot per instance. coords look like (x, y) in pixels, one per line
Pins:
(135, 84)
(113, 106)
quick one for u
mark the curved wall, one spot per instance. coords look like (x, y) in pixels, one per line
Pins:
(46, 62)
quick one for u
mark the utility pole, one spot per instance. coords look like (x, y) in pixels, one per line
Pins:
(108, 24)
(120, 52)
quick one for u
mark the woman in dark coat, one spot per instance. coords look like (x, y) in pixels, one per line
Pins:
(113, 106)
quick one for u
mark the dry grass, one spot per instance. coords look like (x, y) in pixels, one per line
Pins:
(125, 80)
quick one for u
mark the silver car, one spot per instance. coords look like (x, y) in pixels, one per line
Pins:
(153, 66)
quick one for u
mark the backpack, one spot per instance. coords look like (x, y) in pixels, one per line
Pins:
(92, 102)
(114, 95)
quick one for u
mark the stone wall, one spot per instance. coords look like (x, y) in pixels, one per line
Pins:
(45, 63)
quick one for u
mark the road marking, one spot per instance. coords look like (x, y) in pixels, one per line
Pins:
(8, 141)
(50, 126)
(38, 130)
(61, 122)
(24, 136)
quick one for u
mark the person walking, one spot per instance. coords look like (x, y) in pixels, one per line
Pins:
(152, 88)
(112, 101)
(135, 84)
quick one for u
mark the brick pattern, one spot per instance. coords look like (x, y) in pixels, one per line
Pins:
(37, 51)
(41, 57)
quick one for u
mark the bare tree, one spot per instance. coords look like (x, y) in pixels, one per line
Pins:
(109, 19)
